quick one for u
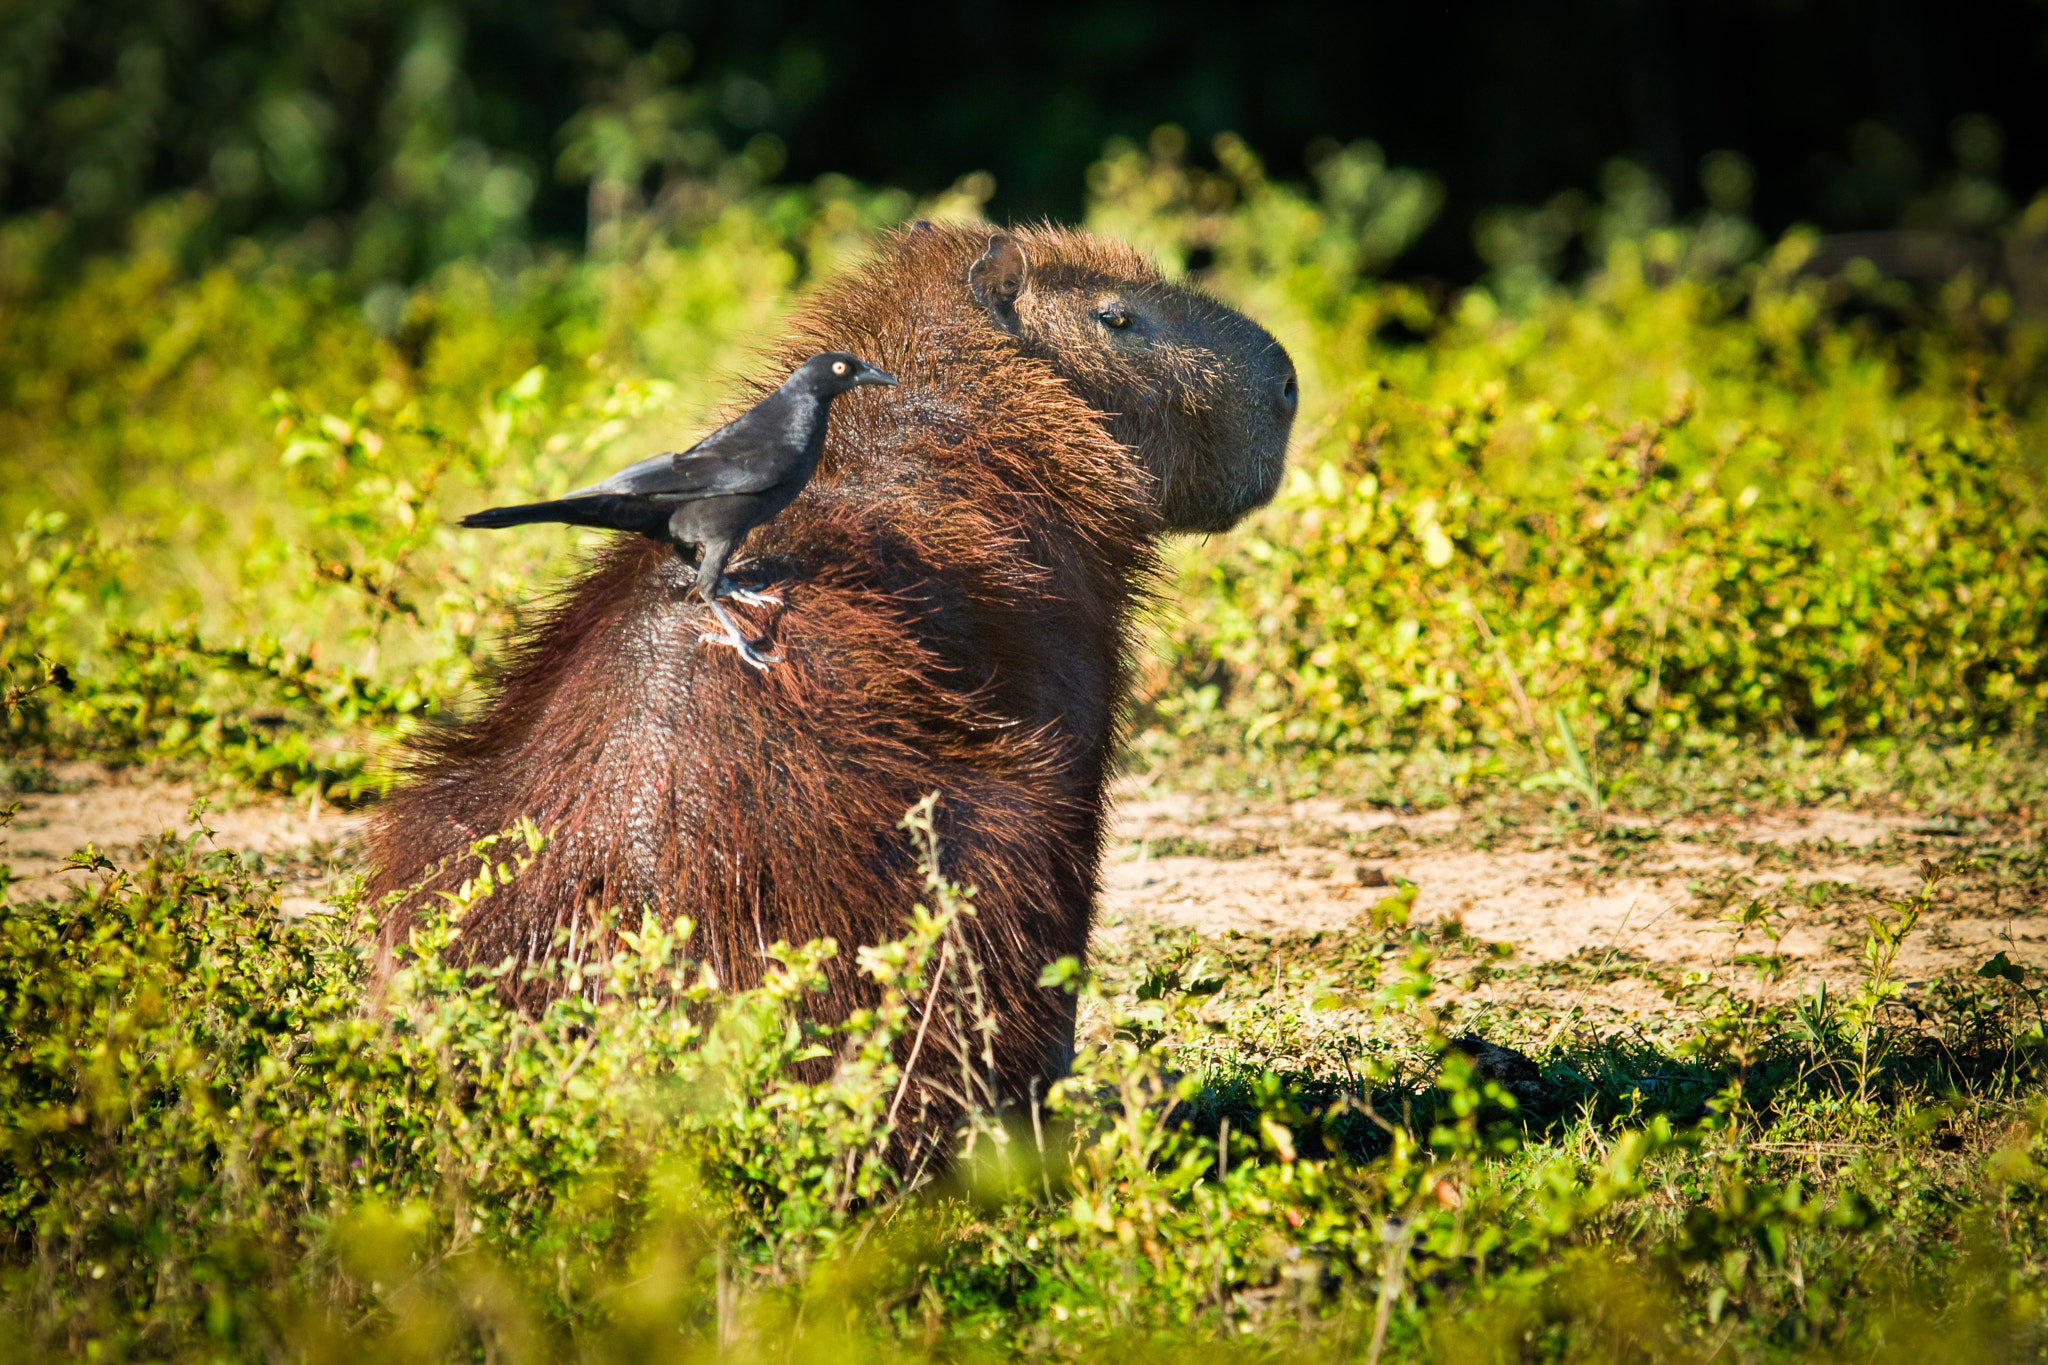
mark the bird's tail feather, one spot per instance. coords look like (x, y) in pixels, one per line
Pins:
(609, 513)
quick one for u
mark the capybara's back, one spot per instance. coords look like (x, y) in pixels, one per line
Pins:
(958, 581)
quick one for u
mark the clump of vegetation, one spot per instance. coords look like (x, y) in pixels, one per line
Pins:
(216, 1148)
(234, 529)
(1690, 500)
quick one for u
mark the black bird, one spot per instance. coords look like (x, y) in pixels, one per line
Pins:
(719, 489)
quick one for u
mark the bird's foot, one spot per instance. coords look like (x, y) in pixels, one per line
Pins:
(746, 649)
(747, 596)
(729, 634)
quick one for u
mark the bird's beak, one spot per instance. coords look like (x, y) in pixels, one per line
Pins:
(871, 375)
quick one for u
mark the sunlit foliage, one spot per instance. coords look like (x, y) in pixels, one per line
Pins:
(1695, 503)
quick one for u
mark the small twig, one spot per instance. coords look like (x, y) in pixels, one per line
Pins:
(931, 998)
(576, 1065)
(1571, 1010)
(54, 675)
(1038, 1136)
(384, 595)
(1726, 1333)
(1393, 1272)
(1507, 668)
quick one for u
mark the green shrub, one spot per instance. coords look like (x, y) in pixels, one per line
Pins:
(219, 1142)
(1683, 499)
(212, 1134)
(1688, 499)
(1369, 615)
(231, 490)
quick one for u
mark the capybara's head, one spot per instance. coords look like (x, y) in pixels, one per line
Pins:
(1204, 395)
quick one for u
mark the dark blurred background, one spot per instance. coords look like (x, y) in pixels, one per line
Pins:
(399, 135)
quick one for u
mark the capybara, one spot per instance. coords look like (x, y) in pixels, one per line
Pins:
(959, 584)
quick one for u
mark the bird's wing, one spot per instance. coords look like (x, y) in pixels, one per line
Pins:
(729, 460)
(696, 473)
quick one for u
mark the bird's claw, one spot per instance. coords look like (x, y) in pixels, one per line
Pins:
(747, 596)
(729, 634)
(744, 648)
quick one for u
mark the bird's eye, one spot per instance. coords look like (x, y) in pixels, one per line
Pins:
(839, 367)
(1116, 319)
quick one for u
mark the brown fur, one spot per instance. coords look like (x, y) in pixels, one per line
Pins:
(959, 580)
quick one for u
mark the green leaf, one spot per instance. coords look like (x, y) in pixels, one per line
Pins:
(2003, 968)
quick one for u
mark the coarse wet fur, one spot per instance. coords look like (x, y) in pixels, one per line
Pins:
(959, 583)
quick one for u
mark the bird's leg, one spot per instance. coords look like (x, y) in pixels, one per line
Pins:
(734, 638)
(711, 581)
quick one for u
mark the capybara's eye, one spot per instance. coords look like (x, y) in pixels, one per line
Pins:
(1114, 318)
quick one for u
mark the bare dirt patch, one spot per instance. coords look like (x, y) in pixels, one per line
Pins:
(308, 845)
(1639, 907)
(1636, 909)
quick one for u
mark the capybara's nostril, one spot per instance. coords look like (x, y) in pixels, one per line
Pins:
(1290, 394)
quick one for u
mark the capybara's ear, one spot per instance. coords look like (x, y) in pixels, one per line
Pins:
(998, 277)
(918, 225)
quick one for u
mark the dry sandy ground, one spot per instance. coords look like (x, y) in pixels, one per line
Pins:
(119, 813)
(1213, 866)
(1651, 903)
